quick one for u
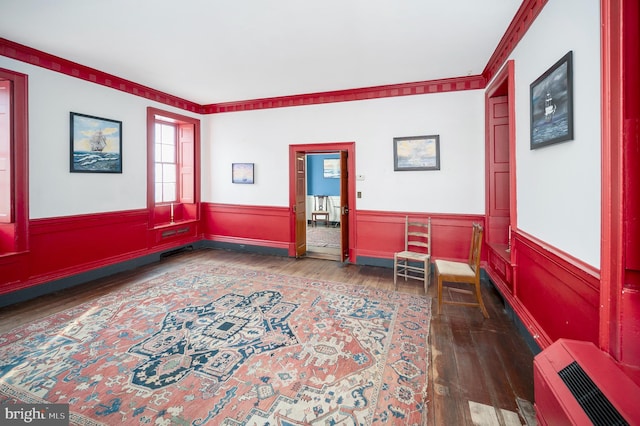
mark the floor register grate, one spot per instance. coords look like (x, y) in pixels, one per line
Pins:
(594, 403)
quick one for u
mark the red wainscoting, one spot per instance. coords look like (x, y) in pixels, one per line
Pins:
(380, 234)
(630, 330)
(263, 226)
(13, 271)
(377, 234)
(553, 294)
(61, 247)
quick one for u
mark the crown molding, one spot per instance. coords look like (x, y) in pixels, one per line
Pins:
(360, 94)
(45, 60)
(527, 13)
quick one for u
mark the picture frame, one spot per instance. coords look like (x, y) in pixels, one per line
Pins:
(95, 144)
(551, 104)
(416, 153)
(331, 168)
(242, 173)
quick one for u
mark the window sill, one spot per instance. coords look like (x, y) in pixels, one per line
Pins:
(177, 223)
(501, 250)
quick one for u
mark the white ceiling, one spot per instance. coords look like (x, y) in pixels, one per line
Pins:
(212, 51)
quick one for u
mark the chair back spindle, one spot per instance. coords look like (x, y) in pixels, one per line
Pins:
(415, 260)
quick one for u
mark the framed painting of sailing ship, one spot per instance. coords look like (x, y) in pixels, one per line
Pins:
(416, 153)
(552, 104)
(96, 144)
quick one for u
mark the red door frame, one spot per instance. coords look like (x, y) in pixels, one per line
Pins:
(619, 286)
(506, 76)
(318, 148)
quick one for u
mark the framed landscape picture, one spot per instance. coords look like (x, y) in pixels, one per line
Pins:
(331, 168)
(96, 144)
(242, 172)
(416, 153)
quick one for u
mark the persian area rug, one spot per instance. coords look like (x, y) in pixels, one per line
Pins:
(216, 345)
(323, 236)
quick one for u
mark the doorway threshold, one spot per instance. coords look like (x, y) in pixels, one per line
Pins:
(327, 253)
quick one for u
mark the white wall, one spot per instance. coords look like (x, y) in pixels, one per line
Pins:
(263, 137)
(559, 186)
(53, 190)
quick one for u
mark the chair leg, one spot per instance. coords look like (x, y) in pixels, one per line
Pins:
(439, 293)
(426, 276)
(480, 301)
(395, 272)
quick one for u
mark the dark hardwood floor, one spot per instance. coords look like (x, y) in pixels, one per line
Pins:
(481, 370)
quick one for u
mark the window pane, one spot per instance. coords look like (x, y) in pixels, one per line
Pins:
(158, 134)
(158, 192)
(168, 154)
(168, 135)
(169, 192)
(158, 176)
(165, 163)
(169, 173)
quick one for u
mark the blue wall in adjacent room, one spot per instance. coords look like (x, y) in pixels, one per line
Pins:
(317, 184)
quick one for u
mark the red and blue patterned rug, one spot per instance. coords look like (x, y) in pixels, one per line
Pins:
(323, 236)
(218, 345)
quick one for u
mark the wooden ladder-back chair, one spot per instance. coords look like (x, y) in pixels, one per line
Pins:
(463, 272)
(320, 209)
(415, 260)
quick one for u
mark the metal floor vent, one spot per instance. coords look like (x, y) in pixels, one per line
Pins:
(175, 251)
(594, 403)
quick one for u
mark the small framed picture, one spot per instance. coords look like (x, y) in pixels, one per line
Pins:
(416, 153)
(331, 168)
(96, 144)
(242, 172)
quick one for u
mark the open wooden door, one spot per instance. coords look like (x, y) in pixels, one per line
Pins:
(300, 206)
(298, 197)
(344, 207)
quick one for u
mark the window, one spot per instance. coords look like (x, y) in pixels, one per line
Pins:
(173, 174)
(6, 191)
(14, 187)
(165, 163)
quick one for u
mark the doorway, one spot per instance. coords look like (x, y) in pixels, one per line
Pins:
(500, 176)
(328, 237)
(323, 176)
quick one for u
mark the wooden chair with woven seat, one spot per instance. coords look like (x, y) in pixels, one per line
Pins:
(415, 260)
(320, 209)
(463, 272)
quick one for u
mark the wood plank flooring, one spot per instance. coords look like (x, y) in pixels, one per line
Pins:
(481, 370)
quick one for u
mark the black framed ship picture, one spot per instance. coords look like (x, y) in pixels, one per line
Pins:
(552, 104)
(96, 144)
